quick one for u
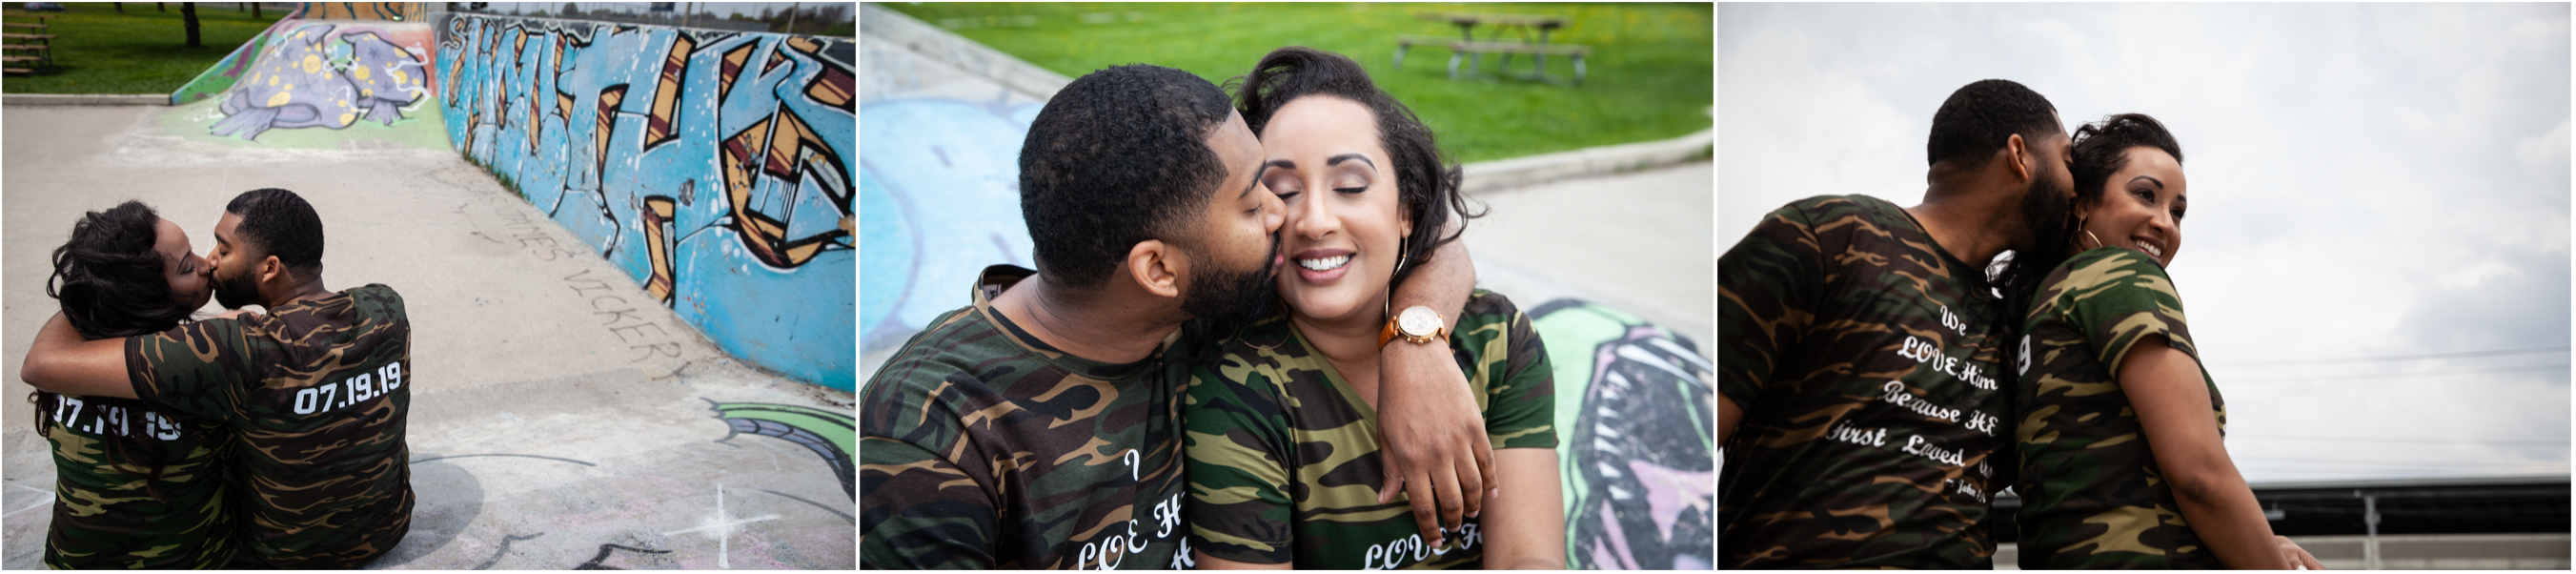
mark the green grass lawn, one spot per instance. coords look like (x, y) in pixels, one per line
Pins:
(98, 51)
(1650, 75)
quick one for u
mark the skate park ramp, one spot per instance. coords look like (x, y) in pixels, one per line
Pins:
(570, 414)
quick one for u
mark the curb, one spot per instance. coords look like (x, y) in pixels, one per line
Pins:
(881, 23)
(85, 99)
(1504, 174)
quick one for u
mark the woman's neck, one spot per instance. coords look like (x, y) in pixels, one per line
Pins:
(1349, 343)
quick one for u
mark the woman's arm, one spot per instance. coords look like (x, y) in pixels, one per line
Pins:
(1429, 426)
(62, 361)
(1529, 533)
(2172, 399)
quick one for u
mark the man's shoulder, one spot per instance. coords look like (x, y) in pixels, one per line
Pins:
(959, 346)
(1825, 208)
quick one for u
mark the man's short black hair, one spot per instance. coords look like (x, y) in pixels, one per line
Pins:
(1117, 157)
(280, 223)
(1976, 120)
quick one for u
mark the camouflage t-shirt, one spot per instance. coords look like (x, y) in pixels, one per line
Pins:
(983, 447)
(1867, 362)
(2092, 496)
(1283, 456)
(110, 511)
(319, 390)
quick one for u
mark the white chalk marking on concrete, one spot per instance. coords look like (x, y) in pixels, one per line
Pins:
(44, 504)
(722, 527)
(47, 492)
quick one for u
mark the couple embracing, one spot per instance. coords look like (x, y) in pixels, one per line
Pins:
(1876, 390)
(1252, 341)
(242, 440)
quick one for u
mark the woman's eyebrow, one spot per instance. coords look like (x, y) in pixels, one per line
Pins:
(2160, 184)
(1337, 160)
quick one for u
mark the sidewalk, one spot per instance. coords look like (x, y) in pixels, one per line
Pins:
(564, 419)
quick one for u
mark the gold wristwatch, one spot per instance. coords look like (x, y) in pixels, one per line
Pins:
(1418, 324)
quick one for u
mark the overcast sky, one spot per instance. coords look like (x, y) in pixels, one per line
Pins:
(2367, 181)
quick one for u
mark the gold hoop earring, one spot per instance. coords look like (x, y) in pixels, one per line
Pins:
(2079, 226)
(1387, 305)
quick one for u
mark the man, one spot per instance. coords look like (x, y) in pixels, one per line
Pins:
(1039, 426)
(1862, 396)
(319, 388)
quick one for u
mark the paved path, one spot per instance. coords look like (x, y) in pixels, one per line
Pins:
(1635, 241)
(563, 419)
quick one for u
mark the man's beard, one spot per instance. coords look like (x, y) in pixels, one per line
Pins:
(2044, 208)
(1231, 296)
(236, 292)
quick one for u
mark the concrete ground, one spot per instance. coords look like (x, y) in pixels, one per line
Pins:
(1636, 241)
(564, 419)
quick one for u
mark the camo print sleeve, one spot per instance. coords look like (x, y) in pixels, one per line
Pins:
(1520, 403)
(946, 520)
(2121, 296)
(1764, 285)
(192, 368)
(2092, 493)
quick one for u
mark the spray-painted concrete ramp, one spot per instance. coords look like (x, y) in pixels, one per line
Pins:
(565, 418)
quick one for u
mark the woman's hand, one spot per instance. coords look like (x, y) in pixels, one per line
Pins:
(237, 314)
(2300, 559)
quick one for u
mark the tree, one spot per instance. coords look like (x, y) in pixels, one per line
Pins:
(188, 15)
(570, 10)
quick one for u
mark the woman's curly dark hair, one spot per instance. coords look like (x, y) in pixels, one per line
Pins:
(110, 282)
(1426, 182)
(2100, 149)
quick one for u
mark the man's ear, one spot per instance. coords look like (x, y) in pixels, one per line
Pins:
(271, 269)
(1156, 267)
(2016, 149)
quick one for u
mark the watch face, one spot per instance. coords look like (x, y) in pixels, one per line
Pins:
(1418, 321)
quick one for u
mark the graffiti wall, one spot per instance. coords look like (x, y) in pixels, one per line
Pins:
(711, 166)
(394, 11)
(1635, 417)
(327, 76)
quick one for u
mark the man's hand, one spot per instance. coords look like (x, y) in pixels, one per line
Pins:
(2300, 559)
(1433, 435)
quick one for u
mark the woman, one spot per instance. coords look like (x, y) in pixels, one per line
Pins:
(2121, 460)
(1283, 445)
(136, 485)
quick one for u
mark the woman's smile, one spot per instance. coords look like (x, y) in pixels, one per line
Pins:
(1323, 266)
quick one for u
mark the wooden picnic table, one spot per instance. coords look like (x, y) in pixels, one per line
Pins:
(40, 45)
(1532, 39)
